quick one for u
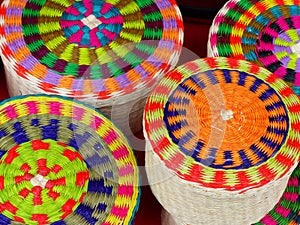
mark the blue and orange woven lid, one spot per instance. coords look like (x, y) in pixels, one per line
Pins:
(224, 123)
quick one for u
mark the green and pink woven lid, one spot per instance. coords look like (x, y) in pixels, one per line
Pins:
(93, 49)
(263, 31)
(287, 210)
(62, 162)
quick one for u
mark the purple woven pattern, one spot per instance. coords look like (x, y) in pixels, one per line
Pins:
(113, 47)
(261, 31)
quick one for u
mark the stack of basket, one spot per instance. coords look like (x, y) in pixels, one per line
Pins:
(222, 141)
(105, 53)
(222, 134)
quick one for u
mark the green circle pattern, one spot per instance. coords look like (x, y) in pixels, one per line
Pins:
(55, 156)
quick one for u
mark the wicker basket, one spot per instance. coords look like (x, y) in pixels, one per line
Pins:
(222, 141)
(286, 211)
(105, 53)
(262, 31)
(62, 162)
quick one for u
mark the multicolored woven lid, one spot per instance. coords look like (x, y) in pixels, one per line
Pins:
(263, 31)
(64, 163)
(98, 48)
(287, 211)
(224, 123)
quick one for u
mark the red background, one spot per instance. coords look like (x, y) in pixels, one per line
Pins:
(195, 40)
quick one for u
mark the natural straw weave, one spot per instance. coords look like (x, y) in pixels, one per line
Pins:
(105, 53)
(286, 211)
(263, 31)
(222, 140)
(63, 163)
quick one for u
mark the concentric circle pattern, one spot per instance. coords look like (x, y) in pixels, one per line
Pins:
(253, 133)
(63, 162)
(42, 175)
(97, 49)
(224, 123)
(262, 31)
(93, 25)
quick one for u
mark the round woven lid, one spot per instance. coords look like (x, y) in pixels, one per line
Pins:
(99, 49)
(263, 31)
(287, 211)
(64, 163)
(224, 123)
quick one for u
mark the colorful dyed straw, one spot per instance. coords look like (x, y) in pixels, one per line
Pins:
(63, 163)
(105, 53)
(287, 210)
(263, 31)
(223, 137)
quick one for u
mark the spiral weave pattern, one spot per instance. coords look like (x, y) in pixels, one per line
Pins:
(265, 32)
(224, 123)
(64, 163)
(92, 49)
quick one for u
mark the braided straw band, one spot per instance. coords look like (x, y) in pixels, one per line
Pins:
(93, 50)
(64, 163)
(263, 31)
(286, 211)
(193, 204)
(224, 123)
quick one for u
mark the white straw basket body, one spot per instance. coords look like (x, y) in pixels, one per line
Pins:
(190, 203)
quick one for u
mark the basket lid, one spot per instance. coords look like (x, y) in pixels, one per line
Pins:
(98, 49)
(62, 162)
(224, 123)
(265, 32)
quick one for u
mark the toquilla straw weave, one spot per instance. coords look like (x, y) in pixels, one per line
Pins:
(63, 163)
(222, 138)
(263, 31)
(107, 53)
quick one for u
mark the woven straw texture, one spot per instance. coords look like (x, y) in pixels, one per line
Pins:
(286, 211)
(63, 163)
(222, 129)
(263, 31)
(105, 53)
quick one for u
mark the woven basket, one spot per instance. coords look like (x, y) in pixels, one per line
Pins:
(63, 163)
(262, 31)
(105, 53)
(286, 211)
(222, 141)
